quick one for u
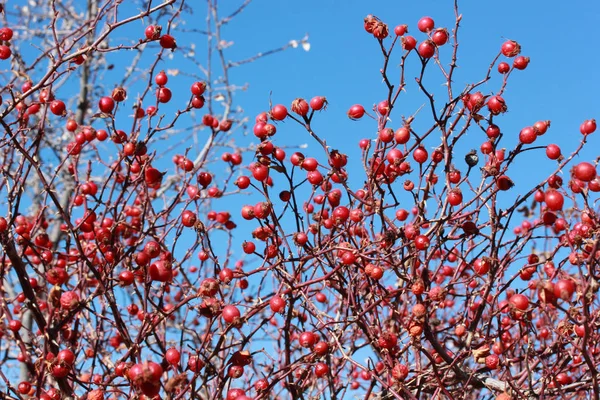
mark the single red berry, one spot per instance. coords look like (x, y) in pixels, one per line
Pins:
(440, 36)
(173, 356)
(106, 104)
(300, 107)
(6, 34)
(231, 314)
(307, 339)
(496, 105)
(553, 152)
(152, 32)
(119, 94)
(279, 112)
(527, 135)
(400, 30)
(554, 200)
(519, 302)
(503, 67)
(492, 361)
(5, 52)
(168, 42)
(57, 107)
(383, 108)
(318, 103)
(198, 88)
(426, 24)
(356, 112)
(510, 48)
(161, 78)
(521, 62)
(163, 95)
(584, 171)
(188, 218)
(427, 49)
(409, 43)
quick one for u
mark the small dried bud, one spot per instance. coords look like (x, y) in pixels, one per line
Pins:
(472, 159)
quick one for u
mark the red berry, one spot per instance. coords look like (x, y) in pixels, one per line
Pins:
(427, 49)
(152, 32)
(496, 105)
(57, 107)
(307, 339)
(426, 24)
(503, 67)
(510, 48)
(492, 361)
(554, 200)
(318, 102)
(69, 300)
(553, 152)
(519, 302)
(521, 62)
(279, 112)
(321, 369)
(409, 43)
(383, 107)
(188, 218)
(356, 112)
(440, 36)
(6, 34)
(400, 30)
(161, 78)
(527, 135)
(168, 42)
(584, 171)
(198, 88)
(106, 104)
(300, 107)
(588, 126)
(5, 52)
(231, 314)
(173, 356)
(163, 95)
